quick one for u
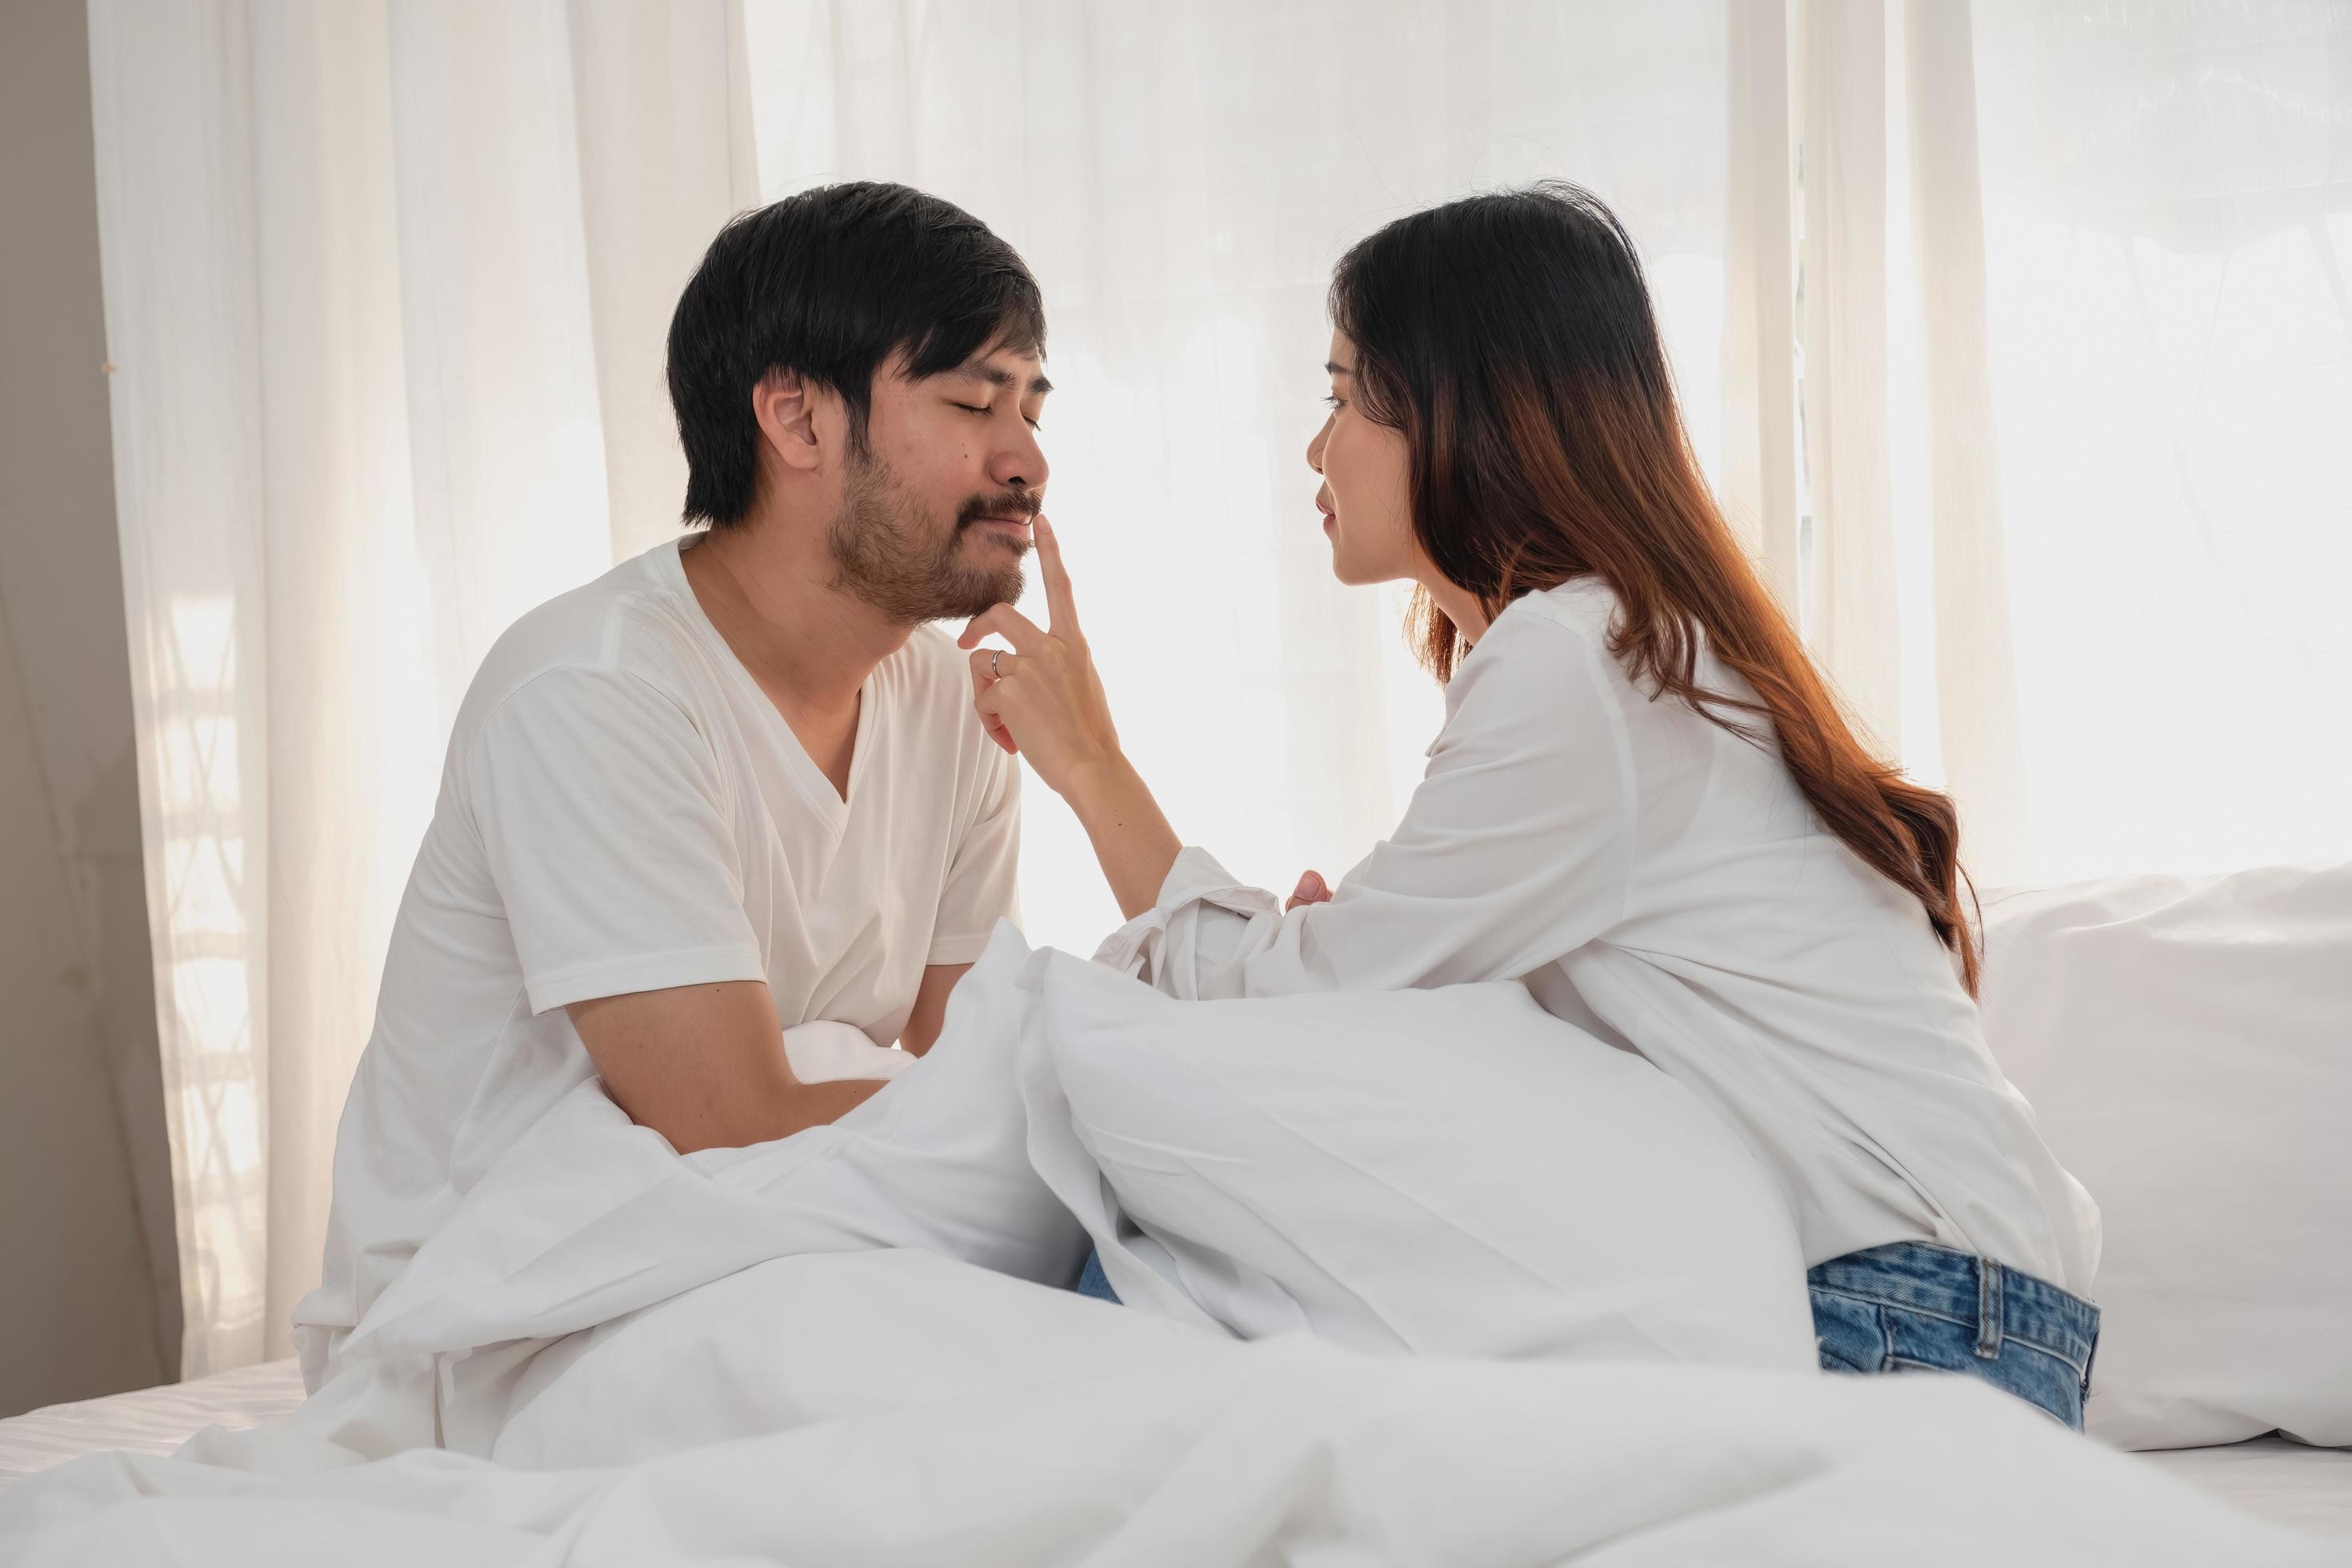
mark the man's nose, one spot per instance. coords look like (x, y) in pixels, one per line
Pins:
(1019, 465)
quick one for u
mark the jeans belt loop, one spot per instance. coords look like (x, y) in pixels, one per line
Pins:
(1989, 1309)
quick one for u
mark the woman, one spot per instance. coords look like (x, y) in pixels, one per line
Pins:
(1644, 801)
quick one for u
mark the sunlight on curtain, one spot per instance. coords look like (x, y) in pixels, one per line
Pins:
(358, 430)
(215, 1100)
(187, 485)
(2168, 228)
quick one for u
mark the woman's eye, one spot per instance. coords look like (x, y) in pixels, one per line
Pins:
(973, 407)
(1334, 402)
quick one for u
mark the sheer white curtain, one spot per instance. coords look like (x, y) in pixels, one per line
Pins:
(1905, 593)
(386, 285)
(378, 281)
(2076, 395)
(2168, 231)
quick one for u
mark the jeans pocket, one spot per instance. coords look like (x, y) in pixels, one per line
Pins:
(1923, 1342)
(2040, 1379)
(1850, 1333)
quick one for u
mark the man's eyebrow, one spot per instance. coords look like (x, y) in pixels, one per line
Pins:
(981, 369)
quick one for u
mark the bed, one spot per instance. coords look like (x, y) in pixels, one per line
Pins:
(2288, 1483)
(149, 1420)
(2181, 1041)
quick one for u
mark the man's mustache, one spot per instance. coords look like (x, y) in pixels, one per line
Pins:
(1017, 505)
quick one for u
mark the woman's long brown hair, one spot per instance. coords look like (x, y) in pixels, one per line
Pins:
(1510, 338)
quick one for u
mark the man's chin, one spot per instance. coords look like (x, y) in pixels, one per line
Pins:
(985, 548)
(983, 591)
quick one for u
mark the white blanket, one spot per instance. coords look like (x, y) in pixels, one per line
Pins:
(613, 1354)
(901, 1408)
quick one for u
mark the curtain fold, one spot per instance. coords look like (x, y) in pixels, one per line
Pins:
(667, 156)
(1980, 750)
(1849, 598)
(171, 101)
(1758, 476)
(346, 623)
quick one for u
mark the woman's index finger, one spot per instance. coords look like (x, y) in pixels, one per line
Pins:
(1004, 621)
(1061, 608)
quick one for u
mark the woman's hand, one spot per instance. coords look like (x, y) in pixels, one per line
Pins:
(1044, 700)
(1311, 889)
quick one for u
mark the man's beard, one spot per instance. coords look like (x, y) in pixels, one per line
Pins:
(889, 553)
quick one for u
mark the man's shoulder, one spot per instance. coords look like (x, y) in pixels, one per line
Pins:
(622, 627)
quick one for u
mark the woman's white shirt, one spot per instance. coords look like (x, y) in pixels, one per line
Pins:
(1662, 884)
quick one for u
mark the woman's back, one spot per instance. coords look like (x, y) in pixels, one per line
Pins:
(1802, 994)
(1661, 882)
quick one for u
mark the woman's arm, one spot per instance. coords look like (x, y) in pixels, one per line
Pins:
(1515, 850)
(1045, 702)
(1132, 840)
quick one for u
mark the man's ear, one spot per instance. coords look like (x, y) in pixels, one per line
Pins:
(785, 405)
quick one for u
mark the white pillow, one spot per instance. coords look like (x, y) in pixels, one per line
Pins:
(1446, 1173)
(2188, 1048)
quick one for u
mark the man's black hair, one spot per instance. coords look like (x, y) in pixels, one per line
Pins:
(830, 283)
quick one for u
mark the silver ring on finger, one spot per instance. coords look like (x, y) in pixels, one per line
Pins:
(993, 656)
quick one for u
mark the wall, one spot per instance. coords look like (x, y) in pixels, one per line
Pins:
(89, 1276)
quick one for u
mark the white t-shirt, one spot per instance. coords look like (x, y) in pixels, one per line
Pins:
(1663, 885)
(623, 809)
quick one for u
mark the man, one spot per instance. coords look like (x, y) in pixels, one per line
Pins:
(736, 784)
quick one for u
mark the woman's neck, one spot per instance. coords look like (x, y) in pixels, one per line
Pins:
(1460, 605)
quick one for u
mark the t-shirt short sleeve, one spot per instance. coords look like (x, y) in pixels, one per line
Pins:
(605, 819)
(983, 875)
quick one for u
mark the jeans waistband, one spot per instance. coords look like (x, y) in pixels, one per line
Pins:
(1992, 1298)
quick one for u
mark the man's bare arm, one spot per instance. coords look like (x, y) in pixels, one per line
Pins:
(930, 1006)
(704, 1065)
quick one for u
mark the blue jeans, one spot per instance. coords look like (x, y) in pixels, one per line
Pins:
(1092, 1281)
(1913, 1307)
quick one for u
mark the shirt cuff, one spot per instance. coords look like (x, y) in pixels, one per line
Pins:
(1194, 880)
(959, 949)
(641, 972)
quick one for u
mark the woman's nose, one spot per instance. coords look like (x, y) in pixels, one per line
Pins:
(1315, 448)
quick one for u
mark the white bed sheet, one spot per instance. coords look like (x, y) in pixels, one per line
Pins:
(149, 1420)
(2286, 1483)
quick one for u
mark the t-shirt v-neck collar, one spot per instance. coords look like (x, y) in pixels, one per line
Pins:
(831, 806)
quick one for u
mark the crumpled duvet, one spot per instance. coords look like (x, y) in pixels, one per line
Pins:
(848, 1348)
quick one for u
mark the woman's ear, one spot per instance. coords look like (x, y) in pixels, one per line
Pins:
(784, 404)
